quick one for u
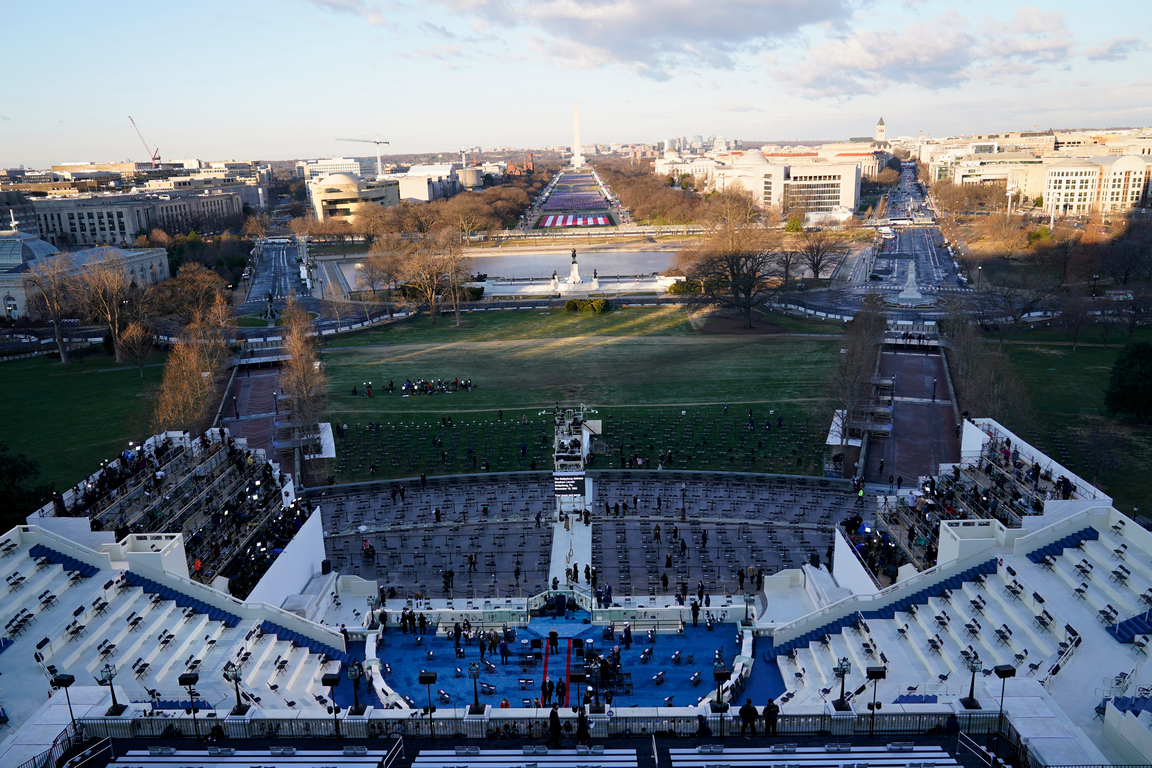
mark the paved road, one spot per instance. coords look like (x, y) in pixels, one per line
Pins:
(276, 277)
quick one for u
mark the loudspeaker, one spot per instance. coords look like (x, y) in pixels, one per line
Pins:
(325, 567)
(188, 678)
(427, 678)
(877, 673)
(330, 679)
(1004, 670)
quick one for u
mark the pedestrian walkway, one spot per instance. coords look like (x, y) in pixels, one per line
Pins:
(923, 420)
(570, 547)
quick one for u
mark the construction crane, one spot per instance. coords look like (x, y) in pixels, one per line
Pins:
(153, 153)
(377, 142)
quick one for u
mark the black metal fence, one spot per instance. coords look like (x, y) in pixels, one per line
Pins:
(50, 758)
(525, 724)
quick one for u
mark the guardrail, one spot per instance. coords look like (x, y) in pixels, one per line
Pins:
(532, 723)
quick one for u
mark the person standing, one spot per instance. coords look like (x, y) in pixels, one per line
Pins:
(554, 641)
(554, 727)
(546, 692)
(695, 613)
(561, 693)
(771, 714)
(748, 718)
(626, 639)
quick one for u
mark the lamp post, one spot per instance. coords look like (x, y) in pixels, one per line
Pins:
(65, 682)
(842, 669)
(232, 674)
(107, 675)
(1003, 671)
(355, 671)
(974, 665)
(428, 679)
(875, 674)
(474, 672)
(330, 680)
(979, 276)
(188, 680)
(721, 674)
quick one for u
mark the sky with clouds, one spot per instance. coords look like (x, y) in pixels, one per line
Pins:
(278, 79)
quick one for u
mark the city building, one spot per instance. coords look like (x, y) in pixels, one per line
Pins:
(318, 169)
(811, 185)
(116, 219)
(1108, 184)
(21, 252)
(425, 183)
(341, 195)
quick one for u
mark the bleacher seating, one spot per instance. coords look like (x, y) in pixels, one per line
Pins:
(595, 757)
(276, 757)
(831, 754)
(300, 641)
(56, 558)
(920, 597)
(1056, 548)
(229, 620)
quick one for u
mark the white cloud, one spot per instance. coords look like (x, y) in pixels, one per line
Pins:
(1116, 49)
(369, 10)
(738, 106)
(653, 37)
(945, 51)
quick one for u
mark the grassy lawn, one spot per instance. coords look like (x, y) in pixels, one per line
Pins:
(69, 418)
(522, 324)
(1067, 389)
(639, 367)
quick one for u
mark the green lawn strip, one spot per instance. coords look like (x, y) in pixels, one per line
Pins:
(655, 376)
(1064, 383)
(701, 436)
(517, 324)
(601, 370)
(794, 324)
(70, 418)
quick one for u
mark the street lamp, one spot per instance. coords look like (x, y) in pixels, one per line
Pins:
(979, 276)
(842, 669)
(107, 675)
(1003, 671)
(428, 679)
(188, 680)
(474, 672)
(721, 674)
(330, 680)
(65, 682)
(355, 671)
(232, 674)
(875, 674)
(974, 665)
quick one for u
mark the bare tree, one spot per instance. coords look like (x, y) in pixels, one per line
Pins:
(467, 214)
(424, 271)
(193, 291)
(256, 225)
(735, 268)
(819, 249)
(1075, 317)
(851, 383)
(371, 222)
(136, 342)
(105, 292)
(302, 379)
(194, 363)
(1014, 296)
(53, 282)
(457, 272)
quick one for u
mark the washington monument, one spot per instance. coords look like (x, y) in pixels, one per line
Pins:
(577, 154)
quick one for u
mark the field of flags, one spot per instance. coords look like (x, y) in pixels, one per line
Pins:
(575, 220)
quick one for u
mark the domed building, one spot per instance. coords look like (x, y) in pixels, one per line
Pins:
(339, 196)
(20, 253)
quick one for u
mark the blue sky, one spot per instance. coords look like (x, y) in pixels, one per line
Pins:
(276, 79)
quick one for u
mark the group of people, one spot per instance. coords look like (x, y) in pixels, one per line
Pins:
(749, 716)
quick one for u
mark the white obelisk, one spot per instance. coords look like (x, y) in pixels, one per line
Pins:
(577, 154)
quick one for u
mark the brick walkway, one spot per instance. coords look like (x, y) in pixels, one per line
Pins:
(254, 393)
(923, 431)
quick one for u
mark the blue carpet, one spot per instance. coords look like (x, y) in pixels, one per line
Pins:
(765, 682)
(406, 659)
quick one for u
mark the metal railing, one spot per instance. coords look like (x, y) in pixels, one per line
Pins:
(50, 758)
(529, 723)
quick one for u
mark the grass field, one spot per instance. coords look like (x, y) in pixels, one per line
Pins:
(69, 418)
(641, 367)
(1068, 395)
